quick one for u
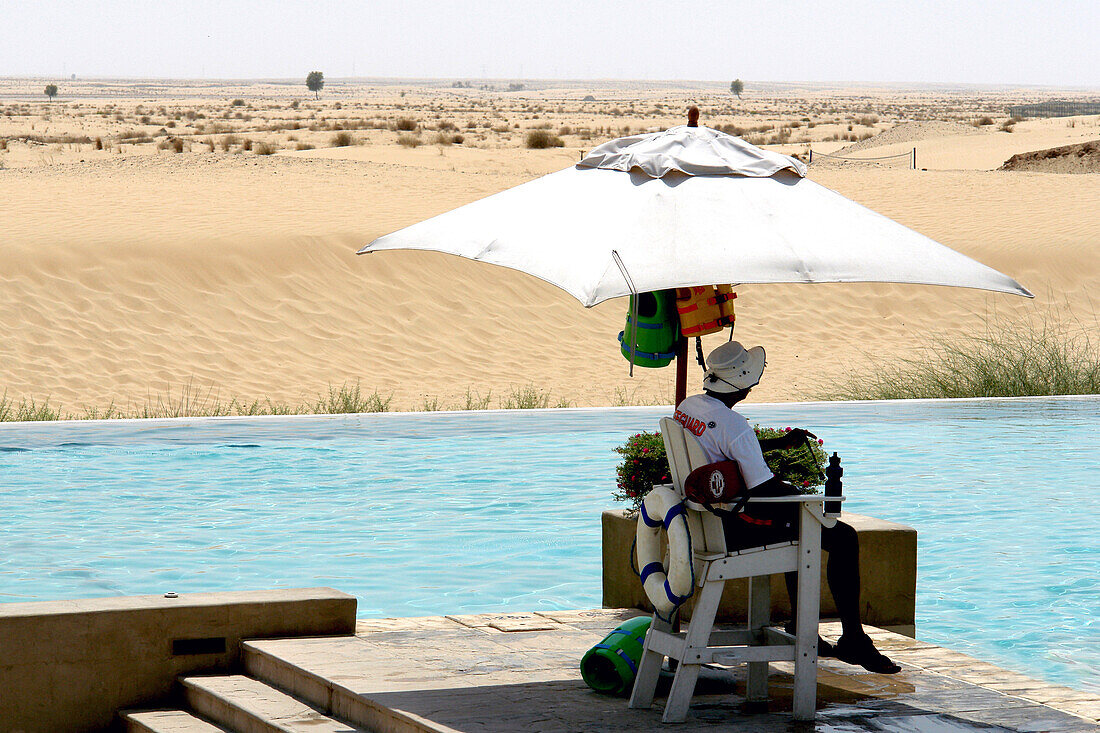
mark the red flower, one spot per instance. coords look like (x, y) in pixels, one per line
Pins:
(820, 441)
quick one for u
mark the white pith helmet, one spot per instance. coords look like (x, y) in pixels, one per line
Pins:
(732, 368)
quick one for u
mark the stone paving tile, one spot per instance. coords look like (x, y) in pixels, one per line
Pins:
(507, 622)
(1032, 719)
(962, 700)
(1086, 709)
(419, 623)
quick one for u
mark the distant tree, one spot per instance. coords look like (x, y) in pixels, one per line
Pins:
(315, 81)
(50, 91)
(736, 87)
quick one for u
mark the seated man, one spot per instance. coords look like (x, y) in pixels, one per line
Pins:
(724, 434)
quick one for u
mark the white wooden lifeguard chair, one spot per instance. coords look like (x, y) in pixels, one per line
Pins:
(759, 643)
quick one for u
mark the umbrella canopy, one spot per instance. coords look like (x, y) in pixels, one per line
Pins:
(688, 206)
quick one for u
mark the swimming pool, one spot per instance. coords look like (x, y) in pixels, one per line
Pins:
(420, 514)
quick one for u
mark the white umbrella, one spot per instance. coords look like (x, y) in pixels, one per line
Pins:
(688, 206)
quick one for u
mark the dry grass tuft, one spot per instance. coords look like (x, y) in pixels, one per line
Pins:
(541, 139)
(1007, 360)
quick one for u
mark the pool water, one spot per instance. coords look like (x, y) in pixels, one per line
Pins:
(424, 514)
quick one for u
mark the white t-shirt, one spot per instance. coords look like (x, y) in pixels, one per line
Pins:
(724, 434)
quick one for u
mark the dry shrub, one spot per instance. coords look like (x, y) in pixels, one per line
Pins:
(342, 140)
(781, 136)
(1039, 356)
(408, 141)
(540, 139)
(134, 137)
(986, 120)
(445, 125)
(238, 103)
(442, 138)
(246, 144)
(406, 124)
(228, 141)
(174, 144)
(868, 120)
(264, 149)
(304, 146)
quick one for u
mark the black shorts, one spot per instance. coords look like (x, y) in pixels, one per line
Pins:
(763, 524)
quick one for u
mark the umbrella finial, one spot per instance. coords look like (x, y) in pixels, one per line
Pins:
(693, 116)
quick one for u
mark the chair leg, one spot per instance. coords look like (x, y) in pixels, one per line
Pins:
(760, 611)
(679, 697)
(697, 638)
(649, 669)
(806, 616)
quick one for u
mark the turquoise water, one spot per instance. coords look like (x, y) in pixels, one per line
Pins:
(423, 514)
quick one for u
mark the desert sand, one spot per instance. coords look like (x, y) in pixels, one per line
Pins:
(129, 270)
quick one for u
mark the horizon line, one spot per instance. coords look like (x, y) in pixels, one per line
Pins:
(389, 80)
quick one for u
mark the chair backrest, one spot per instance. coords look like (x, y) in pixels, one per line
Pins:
(683, 451)
(684, 455)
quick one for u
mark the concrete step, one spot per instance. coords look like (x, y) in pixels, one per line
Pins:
(165, 721)
(245, 705)
(336, 691)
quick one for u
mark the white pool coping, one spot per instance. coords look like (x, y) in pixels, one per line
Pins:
(153, 421)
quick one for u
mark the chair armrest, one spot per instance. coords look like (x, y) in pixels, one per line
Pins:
(802, 498)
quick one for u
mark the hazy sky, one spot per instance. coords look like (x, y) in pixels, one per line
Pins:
(1033, 42)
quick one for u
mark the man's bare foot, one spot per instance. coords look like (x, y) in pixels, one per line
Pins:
(861, 651)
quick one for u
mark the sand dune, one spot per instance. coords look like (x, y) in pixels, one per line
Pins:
(984, 148)
(1079, 158)
(123, 277)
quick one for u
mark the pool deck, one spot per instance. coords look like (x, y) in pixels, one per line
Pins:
(519, 671)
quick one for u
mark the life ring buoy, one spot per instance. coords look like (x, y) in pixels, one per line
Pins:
(666, 587)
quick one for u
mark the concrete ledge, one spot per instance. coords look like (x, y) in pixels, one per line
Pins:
(71, 665)
(888, 575)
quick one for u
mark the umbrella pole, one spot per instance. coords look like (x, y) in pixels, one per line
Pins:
(681, 370)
